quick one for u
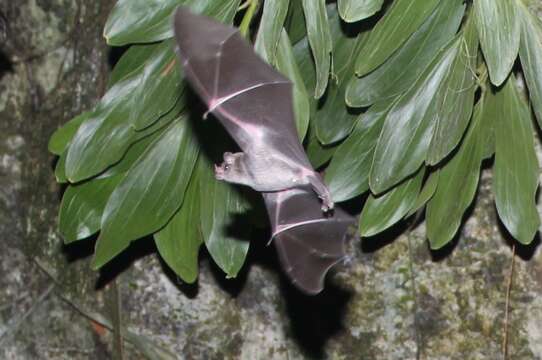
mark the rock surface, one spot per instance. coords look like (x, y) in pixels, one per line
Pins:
(394, 299)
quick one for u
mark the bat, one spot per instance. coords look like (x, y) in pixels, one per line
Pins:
(253, 102)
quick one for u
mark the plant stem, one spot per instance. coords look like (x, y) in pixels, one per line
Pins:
(247, 18)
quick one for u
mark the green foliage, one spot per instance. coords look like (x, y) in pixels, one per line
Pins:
(384, 93)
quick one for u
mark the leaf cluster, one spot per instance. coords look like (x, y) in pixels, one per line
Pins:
(399, 102)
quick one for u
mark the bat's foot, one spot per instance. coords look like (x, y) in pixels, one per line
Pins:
(327, 205)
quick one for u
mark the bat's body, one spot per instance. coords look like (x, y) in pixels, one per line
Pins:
(254, 103)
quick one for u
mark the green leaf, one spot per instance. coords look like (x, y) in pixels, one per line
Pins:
(137, 148)
(488, 124)
(455, 97)
(405, 137)
(318, 154)
(355, 10)
(150, 193)
(399, 22)
(286, 64)
(516, 166)
(320, 41)
(160, 88)
(348, 172)
(132, 59)
(295, 22)
(406, 65)
(104, 137)
(457, 184)
(220, 205)
(530, 53)
(60, 169)
(499, 31)
(270, 29)
(333, 120)
(179, 241)
(426, 193)
(144, 21)
(379, 213)
(82, 207)
(62, 137)
(305, 61)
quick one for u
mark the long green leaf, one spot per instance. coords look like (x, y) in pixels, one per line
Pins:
(457, 184)
(104, 137)
(318, 154)
(406, 65)
(348, 172)
(530, 53)
(455, 97)
(405, 137)
(355, 10)
(82, 207)
(320, 41)
(145, 21)
(286, 64)
(220, 205)
(400, 21)
(179, 241)
(62, 137)
(270, 29)
(499, 31)
(333, 120)
(379, 213)
(427, 192)
(516, 166)
(150, 193)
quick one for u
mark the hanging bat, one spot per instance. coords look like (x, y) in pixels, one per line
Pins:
(254, 103)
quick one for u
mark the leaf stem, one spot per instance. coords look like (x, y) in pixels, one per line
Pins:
(247, 18)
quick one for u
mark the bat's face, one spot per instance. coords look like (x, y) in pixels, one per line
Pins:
(232, 169)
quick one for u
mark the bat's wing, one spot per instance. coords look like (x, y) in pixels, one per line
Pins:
(250, 98)
(308, 242)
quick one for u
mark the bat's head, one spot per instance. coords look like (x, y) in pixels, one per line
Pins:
(232, 169)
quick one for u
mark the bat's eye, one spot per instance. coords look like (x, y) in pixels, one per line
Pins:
(227, 167)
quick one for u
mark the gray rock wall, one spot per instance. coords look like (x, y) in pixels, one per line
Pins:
(394, 299)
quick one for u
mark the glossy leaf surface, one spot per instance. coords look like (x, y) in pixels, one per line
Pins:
(401, 19)
(355, 10)
(333, 120)
(406, 65)
(455, 98)
(348, 172)
(150, 193)
(179, 241)
(270, 28)
(457, 184)
(379, 213)
(286, 64)
(405, 137)
(62, 137)
(499, 31)
(82, 207)
(516, 167)
(145, 21)
(320, 41)
(530, 53)
(221, 204)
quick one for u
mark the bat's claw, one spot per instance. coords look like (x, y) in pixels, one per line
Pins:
(327, 206)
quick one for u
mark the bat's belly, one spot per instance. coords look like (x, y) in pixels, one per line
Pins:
(269, 173)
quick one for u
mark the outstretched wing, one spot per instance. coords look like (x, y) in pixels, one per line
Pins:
(308, 242)
(251, 99)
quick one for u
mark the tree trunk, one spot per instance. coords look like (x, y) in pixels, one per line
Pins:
(394, 299)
